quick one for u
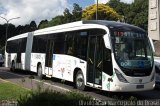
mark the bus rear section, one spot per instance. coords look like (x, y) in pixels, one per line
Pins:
(18, 51)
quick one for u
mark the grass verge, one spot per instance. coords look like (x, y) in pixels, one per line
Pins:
(9, 91)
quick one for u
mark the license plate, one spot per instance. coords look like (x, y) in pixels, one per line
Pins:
(140, 86)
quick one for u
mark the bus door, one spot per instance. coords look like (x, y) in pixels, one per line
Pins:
(94, 61)
(49, 57)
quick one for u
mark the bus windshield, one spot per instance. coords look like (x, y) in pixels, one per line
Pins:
(132, 50)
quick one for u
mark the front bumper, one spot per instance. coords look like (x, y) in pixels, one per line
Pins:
(128, 87)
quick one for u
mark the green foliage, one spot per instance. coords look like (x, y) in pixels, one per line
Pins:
(132, 98)
(56, 20)
(67, 16)
(33, 25)
(139, 14)
(48, 97)
(105, 12)
(51, 98)
(76, 12)
(120, 7)
(43, 24)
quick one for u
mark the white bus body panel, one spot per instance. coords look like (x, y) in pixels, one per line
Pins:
(64, 66)
(23, 55)
(35, 59)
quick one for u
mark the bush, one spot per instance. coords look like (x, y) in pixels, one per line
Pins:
(51, 98)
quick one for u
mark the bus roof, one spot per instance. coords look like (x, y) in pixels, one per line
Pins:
(18, 36)
(114, 24)
(109, 24)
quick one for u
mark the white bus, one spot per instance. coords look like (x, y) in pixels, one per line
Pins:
(106, 55)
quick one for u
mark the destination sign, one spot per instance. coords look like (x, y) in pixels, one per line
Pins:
(129, 34)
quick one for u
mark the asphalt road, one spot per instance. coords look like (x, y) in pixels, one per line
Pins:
(24, 78)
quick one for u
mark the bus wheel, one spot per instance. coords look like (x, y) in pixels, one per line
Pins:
(79, 81)
(39, 71)
(12, 66)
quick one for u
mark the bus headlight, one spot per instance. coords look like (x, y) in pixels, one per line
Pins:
(120, 76)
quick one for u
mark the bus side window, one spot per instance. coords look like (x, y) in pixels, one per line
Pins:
(23, 45)
(107, 62)
(59, 44)
(39, 44)
(81, 44)
(70, 43)
(76, 44)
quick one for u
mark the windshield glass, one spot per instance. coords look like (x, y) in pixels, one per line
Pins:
(132, 49)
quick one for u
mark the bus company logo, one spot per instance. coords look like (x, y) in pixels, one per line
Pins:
(140, 80)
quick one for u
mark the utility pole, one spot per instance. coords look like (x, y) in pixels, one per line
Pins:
(7, 24)
(97, 11)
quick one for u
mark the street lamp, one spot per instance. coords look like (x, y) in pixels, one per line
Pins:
(97, 11)
(7, 22)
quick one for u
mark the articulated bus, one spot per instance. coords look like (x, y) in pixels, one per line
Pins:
(106, 55)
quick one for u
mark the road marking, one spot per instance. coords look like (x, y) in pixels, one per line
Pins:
(65, 89)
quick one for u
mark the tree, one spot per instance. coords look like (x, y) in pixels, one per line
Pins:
(43, 24)
(33, 26)
(19, 29)
(77, 12)
(135, 13)
(2, 35)
(138, 14)
(120, 7)
(26, 28)
(57, 20)
(104, 13)
(67, 16)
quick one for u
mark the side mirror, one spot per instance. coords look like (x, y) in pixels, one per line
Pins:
(151, 41)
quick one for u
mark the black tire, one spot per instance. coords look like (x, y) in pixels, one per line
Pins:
(79, 81)
(39, 72)
(12, 66)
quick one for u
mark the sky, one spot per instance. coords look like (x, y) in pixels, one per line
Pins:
(38, 10)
